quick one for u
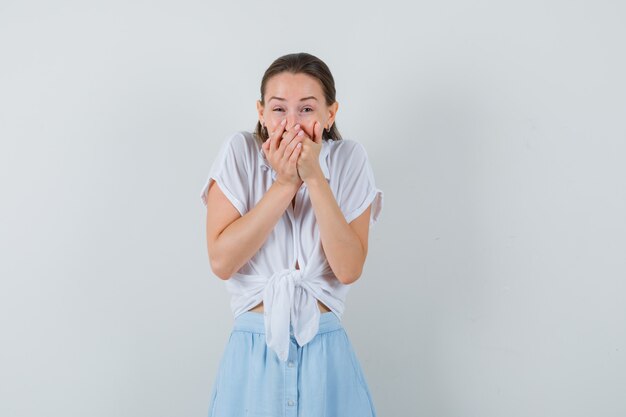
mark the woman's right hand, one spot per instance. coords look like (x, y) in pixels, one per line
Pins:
(282, 149)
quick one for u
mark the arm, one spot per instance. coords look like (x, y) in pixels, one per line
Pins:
(345, 244)
(233, 239)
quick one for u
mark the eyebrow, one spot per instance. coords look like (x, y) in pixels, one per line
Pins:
(282, 99)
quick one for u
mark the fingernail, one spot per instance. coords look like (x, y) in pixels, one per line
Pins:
(283, 121)
(301, 133)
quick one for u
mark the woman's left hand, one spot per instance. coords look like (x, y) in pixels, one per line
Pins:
(308, 163)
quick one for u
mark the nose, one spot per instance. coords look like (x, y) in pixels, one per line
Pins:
(292, 120)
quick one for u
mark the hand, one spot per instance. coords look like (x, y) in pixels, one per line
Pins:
(308, 163)
(281, 150)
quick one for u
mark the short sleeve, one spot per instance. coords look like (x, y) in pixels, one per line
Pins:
(357, 187)
(230, 170)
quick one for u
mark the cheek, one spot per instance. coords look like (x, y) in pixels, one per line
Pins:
(310, 126)
(273, 121)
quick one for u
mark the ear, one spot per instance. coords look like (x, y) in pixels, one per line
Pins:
(259, 109)
(332, 112)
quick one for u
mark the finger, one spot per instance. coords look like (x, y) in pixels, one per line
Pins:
(287, 137)
(318, 132)
(297, 141)
(277, 134)
(294, 142)
(304, 138)
(293, 159)
(305, 135)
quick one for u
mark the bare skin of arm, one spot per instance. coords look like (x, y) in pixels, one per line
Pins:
(226, 230)
(345, 244)
(233, 239)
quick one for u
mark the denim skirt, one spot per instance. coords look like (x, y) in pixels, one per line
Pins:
(323, 378)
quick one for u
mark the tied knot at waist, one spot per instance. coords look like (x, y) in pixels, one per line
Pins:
(288, 301)
(287, 276)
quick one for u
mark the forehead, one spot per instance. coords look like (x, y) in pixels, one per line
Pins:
(293, 86)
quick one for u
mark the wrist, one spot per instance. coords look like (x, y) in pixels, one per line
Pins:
(287, 186)
(315, 180)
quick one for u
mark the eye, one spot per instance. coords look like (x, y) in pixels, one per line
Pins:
(278, 109)
(308, 108)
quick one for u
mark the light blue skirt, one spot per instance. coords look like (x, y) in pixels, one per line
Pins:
(320, 379)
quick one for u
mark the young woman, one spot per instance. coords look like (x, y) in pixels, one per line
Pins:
(289, 208)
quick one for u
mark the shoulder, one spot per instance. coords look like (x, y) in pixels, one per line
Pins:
(236, 153)
(346, 152)
(343, 145)
(344, 148)
(242, 145)
(242, 140)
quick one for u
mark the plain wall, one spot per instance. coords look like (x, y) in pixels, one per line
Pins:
(495, 280)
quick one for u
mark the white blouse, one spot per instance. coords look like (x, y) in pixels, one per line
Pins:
(290, 295)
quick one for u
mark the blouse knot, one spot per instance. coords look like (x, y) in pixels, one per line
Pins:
(290, 307)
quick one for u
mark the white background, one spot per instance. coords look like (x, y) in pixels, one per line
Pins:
(496, 278)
